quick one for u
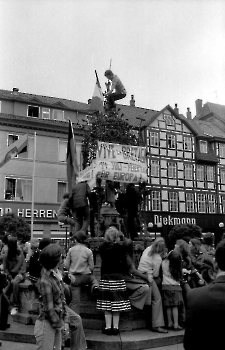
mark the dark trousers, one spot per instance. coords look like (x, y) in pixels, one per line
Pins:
(112, 97)
(81, 218)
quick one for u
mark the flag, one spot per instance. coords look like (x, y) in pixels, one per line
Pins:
(14, 149)
(97, 98)
(71, 159)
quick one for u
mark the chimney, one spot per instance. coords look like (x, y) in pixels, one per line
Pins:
(176, 108)
(15, 91)
(132, 101)
(188, 113)
(198, 105)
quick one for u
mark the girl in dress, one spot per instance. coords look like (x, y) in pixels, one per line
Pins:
(171, 288)
(113, 297)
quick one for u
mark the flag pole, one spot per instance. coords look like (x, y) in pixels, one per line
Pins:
(32, 200)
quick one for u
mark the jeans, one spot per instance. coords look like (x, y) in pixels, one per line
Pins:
(14, 288)
(112, 97)
(49, 338)
(76, 289)
(77, 337)
(157, 310)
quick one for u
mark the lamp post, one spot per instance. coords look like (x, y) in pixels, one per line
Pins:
(62, 225)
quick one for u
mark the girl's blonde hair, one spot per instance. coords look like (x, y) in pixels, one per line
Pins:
(158, 247)
(112, 234)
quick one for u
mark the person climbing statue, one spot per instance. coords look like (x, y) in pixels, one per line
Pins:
(116, 92)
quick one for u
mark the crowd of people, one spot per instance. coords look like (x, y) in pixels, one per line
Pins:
(160, 284)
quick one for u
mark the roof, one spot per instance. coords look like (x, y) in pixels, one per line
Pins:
(136, 116)
(212, 120)
(132, 113)
(44, 100)
(210, 109)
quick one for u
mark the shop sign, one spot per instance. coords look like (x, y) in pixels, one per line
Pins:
(26, 213)
(172, 221)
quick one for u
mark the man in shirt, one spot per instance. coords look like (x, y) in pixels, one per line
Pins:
(206, 310)
(117, 90)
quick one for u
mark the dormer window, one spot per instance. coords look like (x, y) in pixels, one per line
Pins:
(203, 146)
(168, 119)
(33, 111)
(45, 113)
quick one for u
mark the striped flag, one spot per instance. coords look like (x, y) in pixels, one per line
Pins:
(97, 98)
(71, 159)
(14, 149)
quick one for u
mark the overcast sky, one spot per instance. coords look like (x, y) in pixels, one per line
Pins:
(165, 52)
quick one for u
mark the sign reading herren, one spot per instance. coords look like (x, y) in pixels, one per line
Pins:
(172, 221)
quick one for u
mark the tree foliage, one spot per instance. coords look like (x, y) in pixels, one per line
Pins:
(106, 128)
(14, 226)
(185, 232)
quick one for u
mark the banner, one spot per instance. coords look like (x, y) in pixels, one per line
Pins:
(120, 163)
(121, 153)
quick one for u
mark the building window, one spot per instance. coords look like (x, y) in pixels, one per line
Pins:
(156, 200)
(173, 201)
(212, 203)
(45, 113)
(172, 167)
(171, 141)
(168, 119)
(222, 150)
(18, 189)
(200, 172)
(201, 203)
(187, 143)
(190, 203)
(13, 138)
(61, 191)
(210, 174)
(203, 146)
(62, 151)
(155, 168)
(33, 111)
(58, 114)
(154, 139)
(188, 172)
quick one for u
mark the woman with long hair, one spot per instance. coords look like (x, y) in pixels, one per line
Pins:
(15, 267)
(150, 263)
(171, 288)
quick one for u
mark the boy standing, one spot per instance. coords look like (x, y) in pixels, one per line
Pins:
(79, 262)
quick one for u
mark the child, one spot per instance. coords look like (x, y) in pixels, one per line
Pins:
(55, 315)
(113, 296)
(79, 262)
(171, 288)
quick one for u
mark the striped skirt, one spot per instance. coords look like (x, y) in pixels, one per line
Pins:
(113, 294)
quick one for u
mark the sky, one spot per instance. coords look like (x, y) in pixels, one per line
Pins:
(164, 51)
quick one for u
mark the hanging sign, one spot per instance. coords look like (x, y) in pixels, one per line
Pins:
(115, 162)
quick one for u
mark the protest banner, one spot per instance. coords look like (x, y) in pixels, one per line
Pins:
(115, 162)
